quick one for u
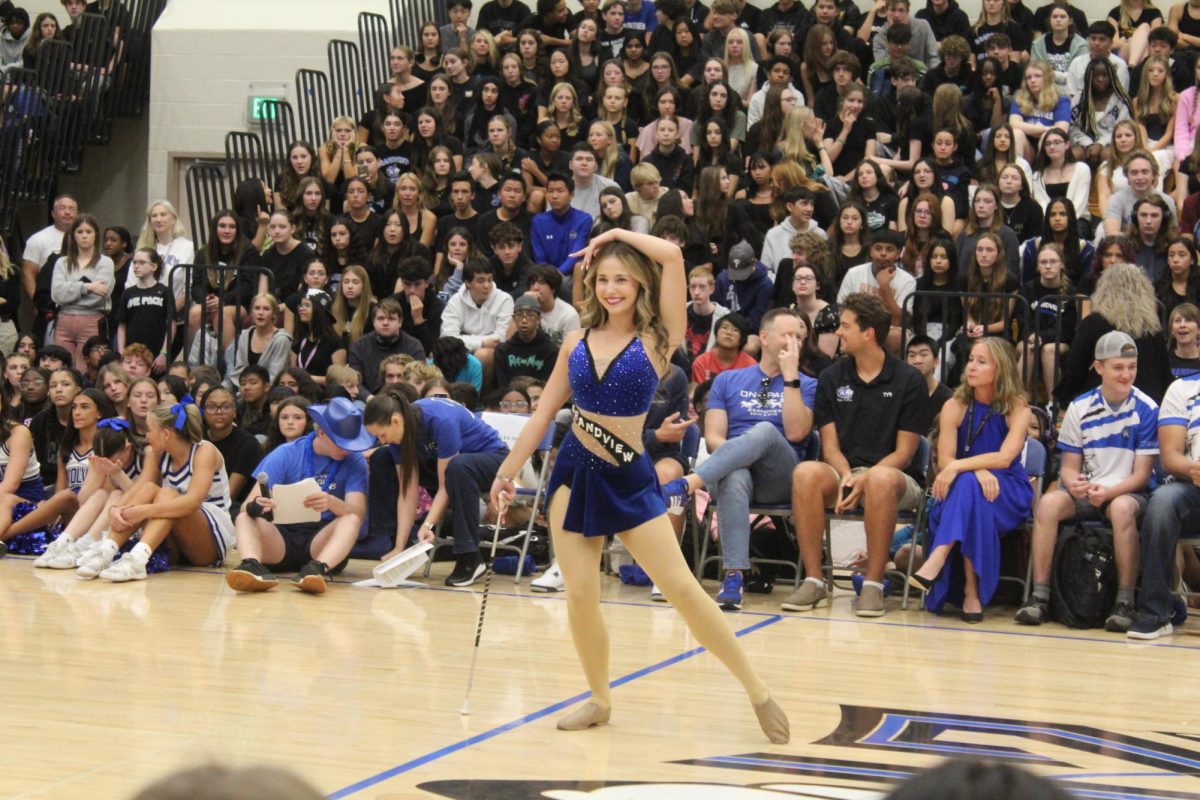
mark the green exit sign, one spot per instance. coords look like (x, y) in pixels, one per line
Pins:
(260, 107)
(263, 108)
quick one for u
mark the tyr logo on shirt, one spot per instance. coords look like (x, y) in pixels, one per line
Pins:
(887, 394)
(845, 394)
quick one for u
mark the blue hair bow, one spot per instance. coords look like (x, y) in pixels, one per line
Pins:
(180, 411)
(116, 423)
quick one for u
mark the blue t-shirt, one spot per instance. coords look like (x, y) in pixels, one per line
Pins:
(738, 393)
(1060, 113)
(448, 429)
(644, 19)
(294, 461)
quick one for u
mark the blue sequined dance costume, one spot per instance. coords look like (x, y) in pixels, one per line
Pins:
(610, 494)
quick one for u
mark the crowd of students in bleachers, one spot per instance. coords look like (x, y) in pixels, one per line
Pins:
(801, 157)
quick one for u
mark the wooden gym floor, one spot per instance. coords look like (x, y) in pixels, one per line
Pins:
(111, 686)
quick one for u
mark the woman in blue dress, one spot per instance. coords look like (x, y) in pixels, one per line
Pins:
(603, 483)
(982, 489)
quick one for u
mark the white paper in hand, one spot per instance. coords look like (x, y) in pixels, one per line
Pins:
(289, 502)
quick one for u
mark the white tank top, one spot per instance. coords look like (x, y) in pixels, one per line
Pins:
(33, 470)
(77, 468)
(181, 479)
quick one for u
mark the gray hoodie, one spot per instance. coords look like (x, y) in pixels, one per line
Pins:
(67, 288)
(11, 49)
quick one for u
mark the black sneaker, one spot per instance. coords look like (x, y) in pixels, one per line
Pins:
(1121, 618)
(3, 549)
(1035, 611)
(311, 577)
(250, 576)
(467, 569)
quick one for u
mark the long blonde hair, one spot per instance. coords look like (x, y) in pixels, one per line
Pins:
(574, 116)
(357, 324)
(1117, 161)
(1155, 101)
(593, 314)
(1047, 98)
(610, 156)
(1125, 19)
(1010, 394)
(1125, 297)
(792, 143)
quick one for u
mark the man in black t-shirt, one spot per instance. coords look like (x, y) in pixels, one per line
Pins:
(500, 18)
(871, 410)
(922, 355)
(512, 209)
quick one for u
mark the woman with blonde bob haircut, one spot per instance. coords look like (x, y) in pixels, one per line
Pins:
(604, 483)
(1123, 300)
(981, 489)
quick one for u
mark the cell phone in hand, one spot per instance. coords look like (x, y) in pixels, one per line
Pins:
(362, 170)
(846, 490)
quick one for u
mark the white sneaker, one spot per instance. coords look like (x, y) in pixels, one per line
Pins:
(127, 568)
(55, 551)
(656, 595)
(66, 558)
(94, 563)
(549, 581)
(85, 547)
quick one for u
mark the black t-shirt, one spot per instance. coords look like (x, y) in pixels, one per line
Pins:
(496, 19)
(699, 330)
(394, 162)
(1025, 218)
(867, 416)
(154, 307)
(882, 210)
(611, 44)
(555, 30)
(938, 399)
(1184, 367)
(489, 220)
(1021, 39)
(1148, 15)
(288, 269)
(316, 357)
(366, 232)
(774, 18)
(855, 148)
(242, 453)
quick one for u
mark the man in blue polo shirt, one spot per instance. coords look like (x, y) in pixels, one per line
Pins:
(1108, 440)
(756, 427)
(332, 454)
(560, 230)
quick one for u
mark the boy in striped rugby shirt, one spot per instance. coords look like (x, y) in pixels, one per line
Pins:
(1108, 442)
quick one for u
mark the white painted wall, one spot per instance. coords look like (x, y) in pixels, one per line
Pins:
(206, 53)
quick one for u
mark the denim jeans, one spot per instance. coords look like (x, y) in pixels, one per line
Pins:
(753, 467)
(1173, 509)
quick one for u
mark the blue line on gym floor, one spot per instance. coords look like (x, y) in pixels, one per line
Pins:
(450, 749)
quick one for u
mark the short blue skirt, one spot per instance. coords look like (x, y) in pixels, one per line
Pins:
(605, 499)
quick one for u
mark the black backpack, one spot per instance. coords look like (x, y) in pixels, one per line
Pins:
(1084, 578)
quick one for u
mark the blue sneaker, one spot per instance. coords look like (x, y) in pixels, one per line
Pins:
(1146, 628)
(675, 495)
(1179, 611)
(730, 596)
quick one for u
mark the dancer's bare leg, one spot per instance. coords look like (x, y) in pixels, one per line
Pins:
(579, 559)
(653, 545)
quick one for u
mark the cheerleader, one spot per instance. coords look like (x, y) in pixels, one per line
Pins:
(181, 495)
(21, 516)
(115, 463)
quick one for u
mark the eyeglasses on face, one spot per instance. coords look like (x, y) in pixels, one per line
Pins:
(513, 405)
(218, 408)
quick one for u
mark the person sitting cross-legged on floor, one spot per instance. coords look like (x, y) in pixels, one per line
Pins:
(756, 426)
(871, 410)
(1108, 442)
(331, 454)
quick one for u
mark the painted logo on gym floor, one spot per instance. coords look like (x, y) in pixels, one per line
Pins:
(895, 744)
